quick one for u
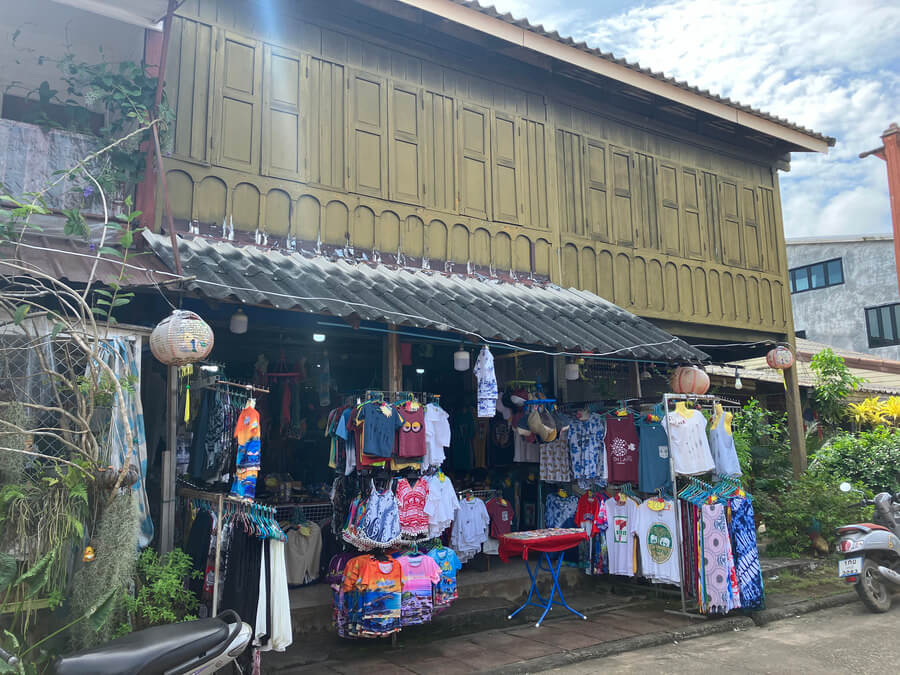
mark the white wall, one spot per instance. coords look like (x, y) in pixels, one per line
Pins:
(30, 29)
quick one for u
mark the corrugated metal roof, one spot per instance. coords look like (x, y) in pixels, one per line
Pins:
(562, 319)
(73, 260)
(525, 24)
(882, 376)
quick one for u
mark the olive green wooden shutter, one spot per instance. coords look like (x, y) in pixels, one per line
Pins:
(327, 122)
(440, 167)
(597, 190)
(711, 210)
(187, 87)
(731, 223)
(474, 161)
(753, 249)
(238, 83)
(406, 171)
(669, 216)
(622, 205)
(646, 209)
(570, 182)
(690, 211)
(283, 137)
(771, 229)
(368, 139)
(505, 170)
(533, 198)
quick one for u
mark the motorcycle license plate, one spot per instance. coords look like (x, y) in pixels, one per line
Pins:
(850, 567)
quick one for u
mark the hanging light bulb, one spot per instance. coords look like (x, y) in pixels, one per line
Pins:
(737, 380)
(318, 337)
(239, 322)
(460, 359)
(420, 371)
(572, 371)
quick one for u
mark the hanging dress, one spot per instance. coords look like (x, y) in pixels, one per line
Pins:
(721, 444)
(380, 526)
(411, 506)
(746, 554)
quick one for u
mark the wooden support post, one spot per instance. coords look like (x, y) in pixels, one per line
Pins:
(393, 371)
(795, 420)
(167, 510)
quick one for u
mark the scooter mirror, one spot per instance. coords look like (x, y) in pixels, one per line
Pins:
(846, 487)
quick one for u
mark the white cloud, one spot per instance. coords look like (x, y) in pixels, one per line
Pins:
(829, 65)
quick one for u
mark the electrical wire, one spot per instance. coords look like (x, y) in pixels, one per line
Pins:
(436, 322)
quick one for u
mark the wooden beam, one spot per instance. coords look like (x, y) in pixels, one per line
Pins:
(167, 489)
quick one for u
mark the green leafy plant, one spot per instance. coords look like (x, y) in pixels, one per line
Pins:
(869, 458)
(834, 383)
(161, 596)
(801, 509)
(762, 444)
(106, 300)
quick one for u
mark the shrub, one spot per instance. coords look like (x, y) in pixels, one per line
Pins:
(804, 507)
(834, 383)
(162, 596)
(870, 458)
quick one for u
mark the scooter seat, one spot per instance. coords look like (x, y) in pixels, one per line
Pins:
(153, 650)
(861, 527)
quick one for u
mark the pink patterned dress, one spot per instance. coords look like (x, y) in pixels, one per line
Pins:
(413, 520)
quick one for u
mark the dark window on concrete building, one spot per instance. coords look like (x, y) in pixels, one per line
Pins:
(819, 275)
(882, 325)
(800, 334)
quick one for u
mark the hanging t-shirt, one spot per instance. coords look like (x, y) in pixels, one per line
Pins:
(591, 509)
(381, 421)
(688, 443)
(500, 442)
(501, 514)
(420, 574)
(445, 591)
(655, 531)
(560, 511)
(619, 542)
(411, 436)
(621, 443)
(654, 468)
(247, 434)
(437, 435)
(487, 383)
(380, 585)
(556, 460)
(470, 528)
(586, 445)
(440, 505)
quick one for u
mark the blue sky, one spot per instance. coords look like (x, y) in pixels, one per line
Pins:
(831, 66)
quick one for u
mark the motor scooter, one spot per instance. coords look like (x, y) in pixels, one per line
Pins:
(871, 551)
(197, 647)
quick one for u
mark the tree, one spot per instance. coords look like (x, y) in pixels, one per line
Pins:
(834, 383)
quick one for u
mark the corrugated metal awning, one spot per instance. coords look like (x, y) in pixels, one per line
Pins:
(564, 320)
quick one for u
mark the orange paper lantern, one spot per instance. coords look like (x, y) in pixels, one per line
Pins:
(690, 380)
(780, 358)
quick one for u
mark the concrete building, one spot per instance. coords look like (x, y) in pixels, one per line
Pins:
(844, 292)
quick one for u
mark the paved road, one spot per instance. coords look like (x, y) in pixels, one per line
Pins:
(843, 640)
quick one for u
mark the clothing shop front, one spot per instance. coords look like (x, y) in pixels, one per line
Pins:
(385, 430)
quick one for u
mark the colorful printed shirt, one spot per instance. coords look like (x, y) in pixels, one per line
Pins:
(381, 421)
(445, 590)
(586, 446)
(379, 584)
(420, 574)
(411, 500)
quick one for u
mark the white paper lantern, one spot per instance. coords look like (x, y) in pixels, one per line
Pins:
(572, 371)
(461, 359)
(239, 322)
(690, 380)
(181, 338)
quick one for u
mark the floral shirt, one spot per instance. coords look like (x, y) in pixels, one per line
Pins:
(588, 452)
(556, 460)
(560, 511)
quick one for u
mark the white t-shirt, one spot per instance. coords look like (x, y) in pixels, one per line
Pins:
(437, 435)
(656, 533)
(688, 443)
(619, 532)
(440, 505)
(470, 529)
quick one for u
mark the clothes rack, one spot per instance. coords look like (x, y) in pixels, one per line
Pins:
(667, 400)
(242, 385)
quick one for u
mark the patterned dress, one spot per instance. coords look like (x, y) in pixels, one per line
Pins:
(746, 555)
(411, 500)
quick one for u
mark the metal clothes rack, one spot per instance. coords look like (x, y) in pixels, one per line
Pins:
(218, 499)
(667, 399)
